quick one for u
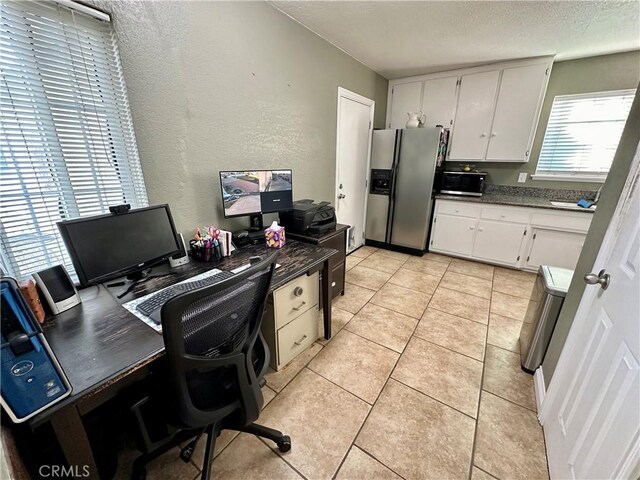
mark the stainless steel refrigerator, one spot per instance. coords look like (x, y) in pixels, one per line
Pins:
(404, 167)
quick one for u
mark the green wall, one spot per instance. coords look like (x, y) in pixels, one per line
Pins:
(231, 85)
(611, 191)
(595, 74)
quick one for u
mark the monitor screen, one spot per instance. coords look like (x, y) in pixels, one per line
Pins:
(109, 246)
(256, 191)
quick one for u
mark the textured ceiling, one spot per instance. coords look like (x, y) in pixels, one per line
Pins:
(399, 39)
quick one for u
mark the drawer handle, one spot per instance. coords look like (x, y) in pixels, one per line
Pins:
(471, 228)
(301, 341)
(300, 306)
(481, 229)
(333, 284)
(298, 291)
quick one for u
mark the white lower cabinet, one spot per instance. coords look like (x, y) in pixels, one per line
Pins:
(518, 237)
(454, 234)
(498, 242)
(290, 321)
(552, 247)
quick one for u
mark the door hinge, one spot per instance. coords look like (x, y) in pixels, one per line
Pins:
(528, 258)
(534, 236)
(525, 232)
(369, 123)
(459, 82)
(518, 258)
(389, 125)
(526, 154)
(546, 72)
(435, 219)
(431, 243)
(392, 90)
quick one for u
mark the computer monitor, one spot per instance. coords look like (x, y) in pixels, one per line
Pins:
(252, 193)
(103, 247)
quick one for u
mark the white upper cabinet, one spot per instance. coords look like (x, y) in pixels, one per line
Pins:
(474, 115)
(495, 108)
(439, 101)
(517, 112)
(405, 98)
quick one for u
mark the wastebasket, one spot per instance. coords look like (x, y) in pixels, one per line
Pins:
(544, 307)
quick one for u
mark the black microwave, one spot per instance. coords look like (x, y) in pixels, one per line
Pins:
(463, 183)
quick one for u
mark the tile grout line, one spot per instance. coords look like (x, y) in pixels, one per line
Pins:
(353, 442)
(448, 349)
(484, 364)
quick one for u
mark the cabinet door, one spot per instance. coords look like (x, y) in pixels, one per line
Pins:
(405, 98)
(474, 115)
(517, 111)
(554, 248)
(453, 234)
(439, 101)
(498, 242)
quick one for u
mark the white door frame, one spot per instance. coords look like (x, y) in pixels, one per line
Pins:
(344, 93)
(572, 347)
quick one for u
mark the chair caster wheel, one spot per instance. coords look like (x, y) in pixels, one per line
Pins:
(187, 452)
(285, 444)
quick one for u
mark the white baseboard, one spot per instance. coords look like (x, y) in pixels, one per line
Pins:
(540, 389)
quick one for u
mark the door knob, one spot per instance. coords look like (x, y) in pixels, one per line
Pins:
(603, 279)
(341, 196)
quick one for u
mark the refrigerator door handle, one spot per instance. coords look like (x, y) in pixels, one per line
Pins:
(392, 194)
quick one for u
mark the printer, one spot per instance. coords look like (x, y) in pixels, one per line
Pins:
(309, 217)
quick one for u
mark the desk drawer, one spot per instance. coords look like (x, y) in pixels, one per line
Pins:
(337, 242)
(295, 298)
(297, 335)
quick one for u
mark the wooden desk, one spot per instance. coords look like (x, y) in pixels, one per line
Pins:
(103, 348)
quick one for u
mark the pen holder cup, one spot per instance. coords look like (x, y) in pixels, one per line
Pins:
(204, 253)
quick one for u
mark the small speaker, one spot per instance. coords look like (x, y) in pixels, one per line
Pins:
(57, 288)
(182, 257)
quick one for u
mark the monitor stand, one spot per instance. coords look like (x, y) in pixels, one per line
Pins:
(256, 223)
(139, 275)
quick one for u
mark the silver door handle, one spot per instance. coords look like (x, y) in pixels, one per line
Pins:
(341, 196)
(603, 279)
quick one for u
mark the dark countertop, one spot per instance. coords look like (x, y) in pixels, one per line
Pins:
(516, 201)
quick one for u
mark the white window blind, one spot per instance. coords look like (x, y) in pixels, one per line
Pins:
(583, 134)
(67, 143)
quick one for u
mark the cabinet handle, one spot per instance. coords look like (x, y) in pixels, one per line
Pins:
(502, 216)
(300, 306)
(457, 211)
(493, 134)
(481, 229)
(471, 228)
(483, 134)
(298, 291)
(301, 341)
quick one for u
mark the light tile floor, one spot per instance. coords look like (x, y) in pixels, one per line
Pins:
(421, 380)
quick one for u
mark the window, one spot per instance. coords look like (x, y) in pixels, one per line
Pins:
(582, 135)
(67, 145)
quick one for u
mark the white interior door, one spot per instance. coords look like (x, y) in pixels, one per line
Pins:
(591, 414)
(353, 151)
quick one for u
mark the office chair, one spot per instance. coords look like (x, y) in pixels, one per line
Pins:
(216, 360)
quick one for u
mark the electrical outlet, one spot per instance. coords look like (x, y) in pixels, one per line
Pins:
(522, 178)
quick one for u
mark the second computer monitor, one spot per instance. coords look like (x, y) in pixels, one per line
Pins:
(255, 192)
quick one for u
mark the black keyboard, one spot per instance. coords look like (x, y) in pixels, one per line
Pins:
(153, 304)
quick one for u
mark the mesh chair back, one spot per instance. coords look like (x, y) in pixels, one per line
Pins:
(214, 360)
